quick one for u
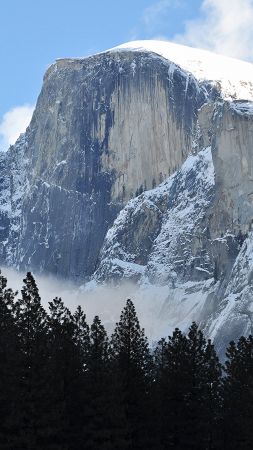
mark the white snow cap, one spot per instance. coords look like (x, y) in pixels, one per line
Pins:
(235, 76)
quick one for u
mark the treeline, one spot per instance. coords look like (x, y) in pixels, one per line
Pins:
(67, 386)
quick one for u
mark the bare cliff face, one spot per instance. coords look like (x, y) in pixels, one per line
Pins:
(233, 164)
(135, 167)
(105, 128)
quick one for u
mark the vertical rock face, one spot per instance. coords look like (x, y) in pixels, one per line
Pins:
(154, 110)
(134, 167)
(233, 164)
(105, 128)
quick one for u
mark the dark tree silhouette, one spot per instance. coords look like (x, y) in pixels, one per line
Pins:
(66, 386)
(131, 364)
(238, 395)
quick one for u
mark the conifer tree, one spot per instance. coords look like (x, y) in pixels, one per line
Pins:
(238, 395)
(203, 398)
(79, 392)
(9, 367)
(131, 362)
(32, 395)
(98, 357)
(159, 406)
(98, 432)
(187, 380)
(172, 381)
(81, 337)
(211, 398)
(62, 370)
(194, 401)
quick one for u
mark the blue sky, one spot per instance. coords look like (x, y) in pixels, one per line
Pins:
(34, 33)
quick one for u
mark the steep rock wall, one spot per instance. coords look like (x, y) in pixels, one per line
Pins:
(232, 145)
(104, 129)
(131, 168)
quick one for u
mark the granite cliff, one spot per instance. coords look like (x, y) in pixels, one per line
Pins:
(138, 165)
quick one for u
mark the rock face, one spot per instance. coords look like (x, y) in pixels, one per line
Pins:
(163, 233)
(134, 167)
(104, 129)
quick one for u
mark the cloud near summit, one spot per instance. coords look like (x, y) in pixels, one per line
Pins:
(224, 26)
(156, 14)
(13, 123)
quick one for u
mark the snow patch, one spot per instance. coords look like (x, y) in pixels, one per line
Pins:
(179, 205)
(235, 77)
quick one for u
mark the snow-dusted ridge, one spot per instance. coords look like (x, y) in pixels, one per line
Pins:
(234, 76)
(187, 195)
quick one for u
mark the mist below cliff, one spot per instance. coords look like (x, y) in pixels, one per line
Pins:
(156, 307)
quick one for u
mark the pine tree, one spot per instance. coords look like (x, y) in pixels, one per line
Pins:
(172, 382)
(187, 381)
(158, 401)
(131, 363)
(32, 395)
(61, 372)
(98, 356)
(79, 392)
(211, 398)
(81, 338)
(9, 367)
(194, 401)
(202, 401)
(238, 395)
(98, 429)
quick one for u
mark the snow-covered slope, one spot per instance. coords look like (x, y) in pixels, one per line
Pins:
(234, 76)
(156, 236)
(162, 241)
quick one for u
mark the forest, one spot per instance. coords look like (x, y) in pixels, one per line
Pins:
(67, 385)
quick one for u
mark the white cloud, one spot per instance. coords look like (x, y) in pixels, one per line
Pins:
(225, 27)
(14, 122)
(155, 15)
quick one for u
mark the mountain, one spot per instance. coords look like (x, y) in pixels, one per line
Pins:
(138, 165)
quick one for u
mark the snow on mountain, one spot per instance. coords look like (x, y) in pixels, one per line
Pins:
(234, 76)
(166, 220)
(233, 315)
(137, 166)
(170, 217)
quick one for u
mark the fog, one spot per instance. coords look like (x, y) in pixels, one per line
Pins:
(105, 301)
(160, 309)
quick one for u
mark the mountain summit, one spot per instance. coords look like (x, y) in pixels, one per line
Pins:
(234, 76)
